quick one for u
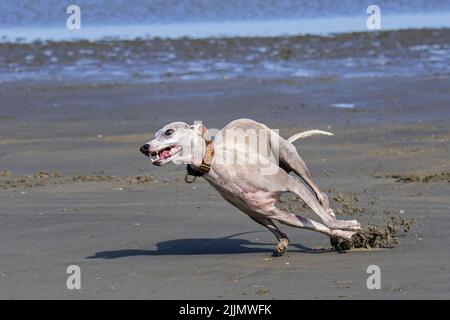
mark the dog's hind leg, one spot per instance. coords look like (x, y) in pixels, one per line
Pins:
(330, 220)
(283, 241)
(290, 161)
(301, 222)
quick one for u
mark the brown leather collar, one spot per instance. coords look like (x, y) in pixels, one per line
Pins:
(205, 167)
(207, 159)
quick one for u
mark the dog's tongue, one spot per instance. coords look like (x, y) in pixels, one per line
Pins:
(165, 154)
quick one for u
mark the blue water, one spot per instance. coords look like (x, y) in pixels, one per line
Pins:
(46, 19)
(153, 60)
(109, 12)
(245, 28)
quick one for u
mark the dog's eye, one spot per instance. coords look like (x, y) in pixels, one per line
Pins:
(169, 132)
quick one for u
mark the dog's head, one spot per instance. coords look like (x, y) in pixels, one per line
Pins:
(176, 142)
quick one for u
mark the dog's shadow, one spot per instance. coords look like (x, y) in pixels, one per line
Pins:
(203, 246)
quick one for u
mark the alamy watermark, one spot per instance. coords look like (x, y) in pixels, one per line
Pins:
(373, 22)
(73, 22)
(73, 282)
(374, 280)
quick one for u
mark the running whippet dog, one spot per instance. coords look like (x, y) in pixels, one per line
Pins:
(252, 186)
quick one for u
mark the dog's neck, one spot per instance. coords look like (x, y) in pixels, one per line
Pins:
(202, 164)
(198, 153)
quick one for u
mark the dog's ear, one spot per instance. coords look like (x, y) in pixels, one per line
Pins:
(198, 128)
(204, 132)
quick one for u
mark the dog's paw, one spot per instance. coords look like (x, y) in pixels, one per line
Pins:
(340, 244)
(282, 246)
(346, 225)
(356, 224)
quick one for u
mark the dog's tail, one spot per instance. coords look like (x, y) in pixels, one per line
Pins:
(308, 133)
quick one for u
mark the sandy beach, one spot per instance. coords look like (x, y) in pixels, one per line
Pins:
(74, 189)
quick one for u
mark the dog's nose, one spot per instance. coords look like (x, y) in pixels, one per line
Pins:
(144, 148)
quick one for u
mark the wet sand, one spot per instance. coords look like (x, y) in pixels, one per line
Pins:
(72, 193)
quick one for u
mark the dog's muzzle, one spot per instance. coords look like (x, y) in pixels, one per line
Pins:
(145, 149)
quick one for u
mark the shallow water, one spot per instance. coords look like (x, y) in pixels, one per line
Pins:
(158, 41)
(394, 53)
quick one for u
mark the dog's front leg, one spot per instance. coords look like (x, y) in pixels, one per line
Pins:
(283, 240)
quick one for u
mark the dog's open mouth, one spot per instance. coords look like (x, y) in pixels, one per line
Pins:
(164, 155)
